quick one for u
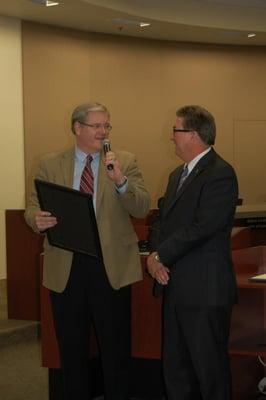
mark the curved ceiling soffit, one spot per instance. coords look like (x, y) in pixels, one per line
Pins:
(242, 15)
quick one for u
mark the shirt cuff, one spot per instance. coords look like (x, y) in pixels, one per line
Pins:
(123, 188)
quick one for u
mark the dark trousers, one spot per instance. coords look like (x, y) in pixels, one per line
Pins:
(89, 298)
(195, 357)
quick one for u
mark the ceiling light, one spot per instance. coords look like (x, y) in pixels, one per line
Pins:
(251, 35)
(144, 24)
(51, 3)
(47, 3)
(124, 21)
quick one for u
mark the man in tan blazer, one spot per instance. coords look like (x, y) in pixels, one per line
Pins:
(82, 288)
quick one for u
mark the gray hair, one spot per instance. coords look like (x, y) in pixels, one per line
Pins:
(199, 119)
(81, 112)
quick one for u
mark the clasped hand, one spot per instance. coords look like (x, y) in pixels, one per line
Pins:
(157, 270)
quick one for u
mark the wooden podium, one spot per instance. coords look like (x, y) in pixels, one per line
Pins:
(23, 249)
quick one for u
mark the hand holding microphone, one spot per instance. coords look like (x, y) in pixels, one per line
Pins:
(106, 149)
(113, 168)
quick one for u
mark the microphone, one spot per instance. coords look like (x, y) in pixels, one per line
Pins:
(106, 148)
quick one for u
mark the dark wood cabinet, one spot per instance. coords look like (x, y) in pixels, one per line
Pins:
(248, 327)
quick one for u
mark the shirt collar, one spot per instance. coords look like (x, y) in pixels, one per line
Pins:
(81, 156)
(195, 160)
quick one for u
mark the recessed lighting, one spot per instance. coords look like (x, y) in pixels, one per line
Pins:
(251, 35)
(124, 22)
(47, 3)
(144, 24)
(51, 3)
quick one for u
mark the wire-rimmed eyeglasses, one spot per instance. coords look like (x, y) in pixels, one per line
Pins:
(106, 127)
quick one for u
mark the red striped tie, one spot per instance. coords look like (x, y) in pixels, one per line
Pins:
(86, 180)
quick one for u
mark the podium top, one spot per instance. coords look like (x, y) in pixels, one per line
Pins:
(251, 211)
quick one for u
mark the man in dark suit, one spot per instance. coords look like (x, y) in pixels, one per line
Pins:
(83, 289)
(192, 262)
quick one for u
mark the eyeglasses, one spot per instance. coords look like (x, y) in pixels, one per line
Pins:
(106, 127)
(182, 130)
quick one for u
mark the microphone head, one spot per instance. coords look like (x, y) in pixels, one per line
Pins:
(106, 142)
(106, 148)
(106, 145)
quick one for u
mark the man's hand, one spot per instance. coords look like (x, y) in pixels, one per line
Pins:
(114, 174)
(44, 220)
(157, 270)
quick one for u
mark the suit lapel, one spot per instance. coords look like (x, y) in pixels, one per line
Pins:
(194, 173)
(102, 181)
(172, 195)
(67, 167)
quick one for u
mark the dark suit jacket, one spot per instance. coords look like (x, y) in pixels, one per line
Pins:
(194, 229)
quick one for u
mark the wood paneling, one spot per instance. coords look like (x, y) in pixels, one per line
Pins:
(143, 82)
(23, 249)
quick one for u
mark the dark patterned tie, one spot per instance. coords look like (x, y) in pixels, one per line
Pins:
(86, 180)
(182, 177)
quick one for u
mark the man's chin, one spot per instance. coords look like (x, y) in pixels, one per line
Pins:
(98, 146)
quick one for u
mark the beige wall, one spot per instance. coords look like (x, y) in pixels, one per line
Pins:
(142, 82)
(11, 127)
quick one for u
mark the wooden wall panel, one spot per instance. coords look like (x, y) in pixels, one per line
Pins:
(142, 82)
(249, 137)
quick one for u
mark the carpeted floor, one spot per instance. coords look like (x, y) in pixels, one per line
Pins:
(21, 374)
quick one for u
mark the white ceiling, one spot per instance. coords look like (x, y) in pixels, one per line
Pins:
(208, 21)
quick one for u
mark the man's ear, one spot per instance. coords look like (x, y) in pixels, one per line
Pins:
(76, 128)
(196, 137)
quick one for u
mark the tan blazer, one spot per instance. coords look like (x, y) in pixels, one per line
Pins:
(117, 236)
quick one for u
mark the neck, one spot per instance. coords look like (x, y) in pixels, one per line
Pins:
(86, 150)
(193, 154)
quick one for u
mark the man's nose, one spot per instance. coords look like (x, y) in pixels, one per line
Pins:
(104, 129)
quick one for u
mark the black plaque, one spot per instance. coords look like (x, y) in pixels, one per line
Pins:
(76, 227)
